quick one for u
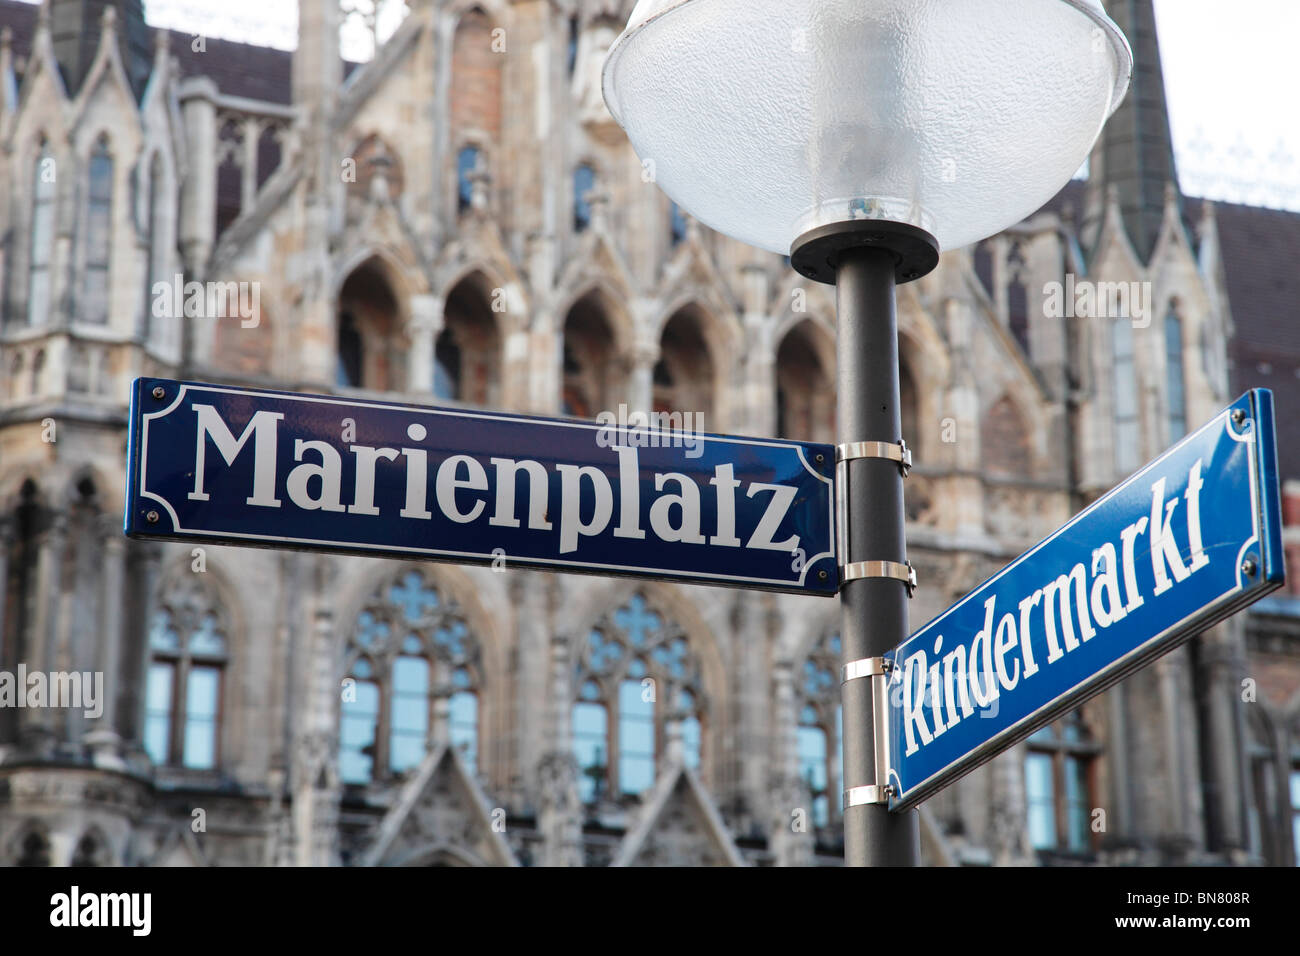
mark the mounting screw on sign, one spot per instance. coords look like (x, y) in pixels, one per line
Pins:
(151, 517)
(1249, 567)
(159, 392)
(1239, 417)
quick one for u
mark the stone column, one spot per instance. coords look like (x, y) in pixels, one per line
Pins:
(317, 785)
(1223, 663)
(792, 833)
(150, 563)
(104, 737)
(1009, 810)
(751, 714)
(42, 648)
(532, 621)
(559, 816)
(758, 415)
(422, 330)
(641, 362)
(198, 219)
(251, 131)
(1184, 817)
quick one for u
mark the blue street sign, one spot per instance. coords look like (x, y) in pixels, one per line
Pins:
(1183, 543)
(243, 466)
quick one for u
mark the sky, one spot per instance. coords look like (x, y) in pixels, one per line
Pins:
(1231, 77)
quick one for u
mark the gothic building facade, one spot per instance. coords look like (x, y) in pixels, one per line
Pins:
(459, 221)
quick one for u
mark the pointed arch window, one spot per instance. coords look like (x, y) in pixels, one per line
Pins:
(1125, 395)
(351, 352)
(91, 851)
(44, 190)
(99, 238)
(817, 736)
(410, 650)
(805, 390)
(588, 358)
(467, 164)
(34, 850)
(584, 181)
(1177, 394)
(636, 673)
(446, 367)
(188, 656)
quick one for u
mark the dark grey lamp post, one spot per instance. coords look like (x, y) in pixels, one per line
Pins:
(861, 137)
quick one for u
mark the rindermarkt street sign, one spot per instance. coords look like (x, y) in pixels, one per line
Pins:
(227, 465)
(1183, 543)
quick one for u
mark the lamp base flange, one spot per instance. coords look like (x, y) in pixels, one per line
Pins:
(815, 254)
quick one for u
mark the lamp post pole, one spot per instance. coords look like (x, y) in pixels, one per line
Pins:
(866, 259)
(873, 610)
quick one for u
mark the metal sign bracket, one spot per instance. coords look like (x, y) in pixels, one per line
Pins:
(877, 670)
(889, 451)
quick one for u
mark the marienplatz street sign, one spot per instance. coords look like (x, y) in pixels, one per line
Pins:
(1183, 543)
(226, 465)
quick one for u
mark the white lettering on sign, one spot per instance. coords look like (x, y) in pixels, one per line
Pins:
(465, 491)
(1059, 617)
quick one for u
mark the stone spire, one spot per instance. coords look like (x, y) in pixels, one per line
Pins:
(76, 27)
(1135, 152)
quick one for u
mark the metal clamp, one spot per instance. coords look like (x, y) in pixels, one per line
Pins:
(866, 667)
(878, 669)
(864, 796)
(891, 451)
(881, 569)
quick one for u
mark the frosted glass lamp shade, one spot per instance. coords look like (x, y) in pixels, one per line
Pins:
(768, 118)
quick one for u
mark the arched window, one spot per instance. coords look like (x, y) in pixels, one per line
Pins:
(351, 352)
(1125, 395)
(684, 376)
(467, 354)
(411, 649)
(34, 850)
(584, 181)
(44, 190)
(805, 392)
(818, 733)
(370, 354)
(99, 234)
(446, 366)
(91, 851)
(1177, 394)
(571, 60)
(188, 655)
(636, 674)
(467, 164)
(588, 359)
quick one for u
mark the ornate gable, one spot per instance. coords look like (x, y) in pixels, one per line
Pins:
(441, 816)
(679, 826)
